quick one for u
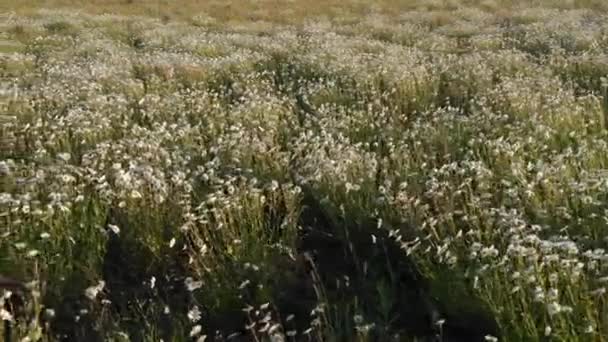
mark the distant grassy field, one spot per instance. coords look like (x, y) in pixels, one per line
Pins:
(283, 11)
(304, 170)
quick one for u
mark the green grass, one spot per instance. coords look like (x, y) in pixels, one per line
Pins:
(10, 47)
(327, 171)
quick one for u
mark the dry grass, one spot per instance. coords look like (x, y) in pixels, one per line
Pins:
(281, 11)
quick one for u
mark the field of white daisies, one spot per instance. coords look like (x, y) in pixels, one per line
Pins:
(416, 177)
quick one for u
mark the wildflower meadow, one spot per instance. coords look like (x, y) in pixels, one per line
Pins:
(429, 171)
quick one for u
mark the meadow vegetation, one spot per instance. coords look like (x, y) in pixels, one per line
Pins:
(304, 171)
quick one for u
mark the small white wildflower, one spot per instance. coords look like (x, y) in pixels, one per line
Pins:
(539, 294)
(553, 308)
(552, 258)
(552, 294)
(172, 243)
(490, 338)
(152, 282)
(274, 185)
(93, 291)
(196, 330)
(5, 169)
(194, 315)
(33, 253)
(114, 228)
(49, 313)
(5, 315)
(64, 156)
(192, 285)
(136, 194)
(452, 260)
(45, 235)
(489, 252)
(351, 187)
(548, 330)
